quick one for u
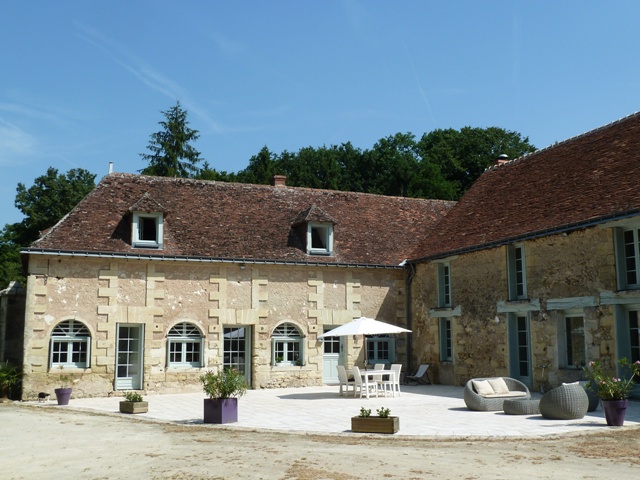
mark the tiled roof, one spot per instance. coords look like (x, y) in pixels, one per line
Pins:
(581, 181)
(240, 221)
(313, 214)
(147, 204)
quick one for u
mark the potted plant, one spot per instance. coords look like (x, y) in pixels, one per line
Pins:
(383, 423)
(10, 375)
(613, 391)
(133, 403)
(63, 393)
(223, 389)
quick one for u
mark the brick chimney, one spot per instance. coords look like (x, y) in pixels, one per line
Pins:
(501, 160)
(279, 181)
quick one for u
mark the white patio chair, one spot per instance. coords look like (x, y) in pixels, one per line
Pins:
(378, 366)
(392, 383)
(344, 380)
(360, 384)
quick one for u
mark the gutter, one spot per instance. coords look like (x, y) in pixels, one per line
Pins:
(411, 273)
(199, 259)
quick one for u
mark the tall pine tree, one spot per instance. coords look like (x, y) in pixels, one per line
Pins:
(171, 152)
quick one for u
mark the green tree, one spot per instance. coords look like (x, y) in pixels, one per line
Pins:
(50, 198)
(171, 152)
(395, 164)
(312, 167)
(208, 173)
(462, 156)
(10, 263)
(261, 169)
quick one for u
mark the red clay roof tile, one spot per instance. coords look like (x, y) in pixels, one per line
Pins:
(241, 221)
(581, 180)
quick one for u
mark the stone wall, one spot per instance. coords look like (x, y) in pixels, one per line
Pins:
(561, 268)
(103, 293)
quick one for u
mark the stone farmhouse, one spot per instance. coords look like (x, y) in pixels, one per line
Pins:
(150, 281)
(536, 270)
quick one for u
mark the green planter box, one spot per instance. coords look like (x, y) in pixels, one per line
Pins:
(134, 407)
(375, 424)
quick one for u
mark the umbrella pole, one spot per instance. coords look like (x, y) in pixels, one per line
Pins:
(366, 353)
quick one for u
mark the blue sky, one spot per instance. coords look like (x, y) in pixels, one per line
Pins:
(83, 83)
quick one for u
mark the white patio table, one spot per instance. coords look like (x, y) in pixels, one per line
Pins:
(375, 375)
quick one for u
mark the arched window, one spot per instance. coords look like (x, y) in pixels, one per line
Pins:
(70, 345)
(184, 346)
(287, 345)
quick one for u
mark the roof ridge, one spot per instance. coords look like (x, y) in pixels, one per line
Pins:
(567, 140)
(270, 187)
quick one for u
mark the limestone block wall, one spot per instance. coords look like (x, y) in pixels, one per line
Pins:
(103, 293)
(561, 271)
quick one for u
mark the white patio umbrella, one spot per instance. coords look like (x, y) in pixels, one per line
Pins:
(363, 326)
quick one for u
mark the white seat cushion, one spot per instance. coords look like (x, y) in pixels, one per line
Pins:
(511, 394)
(499, 385)
(483, 387)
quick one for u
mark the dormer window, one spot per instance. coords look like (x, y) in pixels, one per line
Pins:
(314, 227)
(147, 230)
(319, 238)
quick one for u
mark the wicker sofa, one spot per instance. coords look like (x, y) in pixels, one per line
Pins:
(478, 399)
(569, 401)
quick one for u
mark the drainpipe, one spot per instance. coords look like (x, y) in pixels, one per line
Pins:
(411, 272)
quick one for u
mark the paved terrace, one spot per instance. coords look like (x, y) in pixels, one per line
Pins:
(426, 410)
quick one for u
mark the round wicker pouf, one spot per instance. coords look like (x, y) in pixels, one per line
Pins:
(521, 407)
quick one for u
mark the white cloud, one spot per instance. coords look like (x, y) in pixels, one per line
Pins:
(14, 142)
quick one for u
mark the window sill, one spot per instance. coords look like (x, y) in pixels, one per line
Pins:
(68, 370)
(442, 312)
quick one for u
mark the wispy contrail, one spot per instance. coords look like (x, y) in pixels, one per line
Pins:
(417, 79)
(146, 74)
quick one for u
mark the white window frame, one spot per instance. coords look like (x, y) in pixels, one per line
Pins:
(563, 339)
(377, 345)
(67, 336)
(137, 241)
(627, 262)
(633, 327)
(446, 339)
(186, 336)
(444, 285)
(287, 342)
(325, 233)
(517, 272)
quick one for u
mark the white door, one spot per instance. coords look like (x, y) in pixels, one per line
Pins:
(129, 356)
(237, 350)
(331, 358)
(520, 349)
